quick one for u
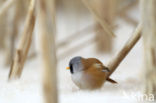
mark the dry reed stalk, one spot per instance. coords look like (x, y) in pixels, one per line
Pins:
(114, 63)
(6, 6)
(24, 44)
(12, 31)
(46, 11)
(148, 14)
(3, 31)
(106, 10)
(129, 19)
(99, 19)
(124, 10)
(103, 41)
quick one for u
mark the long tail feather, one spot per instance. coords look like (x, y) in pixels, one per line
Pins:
(111, 80)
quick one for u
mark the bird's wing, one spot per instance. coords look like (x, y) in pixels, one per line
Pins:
(105, 69)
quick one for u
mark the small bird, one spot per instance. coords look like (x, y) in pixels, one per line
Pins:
(88, 73)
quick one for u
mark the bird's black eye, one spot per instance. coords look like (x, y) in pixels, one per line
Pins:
(71, 68)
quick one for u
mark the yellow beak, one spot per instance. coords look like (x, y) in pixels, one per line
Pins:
(67, 68)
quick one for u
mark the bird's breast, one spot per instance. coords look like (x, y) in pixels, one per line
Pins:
(87, 81)
(79, 79)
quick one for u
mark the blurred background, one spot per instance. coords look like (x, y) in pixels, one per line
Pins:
(78, 30)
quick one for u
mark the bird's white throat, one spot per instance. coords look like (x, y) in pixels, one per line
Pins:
(81, 80)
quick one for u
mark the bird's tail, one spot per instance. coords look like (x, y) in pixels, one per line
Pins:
(111, 80)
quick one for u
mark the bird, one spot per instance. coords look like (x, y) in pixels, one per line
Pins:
(88, 73)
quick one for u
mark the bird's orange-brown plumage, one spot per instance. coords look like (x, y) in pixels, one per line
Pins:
(97, 77)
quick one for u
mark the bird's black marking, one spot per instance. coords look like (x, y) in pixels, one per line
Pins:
(74, 61)
(71, 68)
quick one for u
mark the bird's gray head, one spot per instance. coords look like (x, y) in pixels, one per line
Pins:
(75, 64)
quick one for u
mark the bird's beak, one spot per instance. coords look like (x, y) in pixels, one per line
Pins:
(67, 68)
